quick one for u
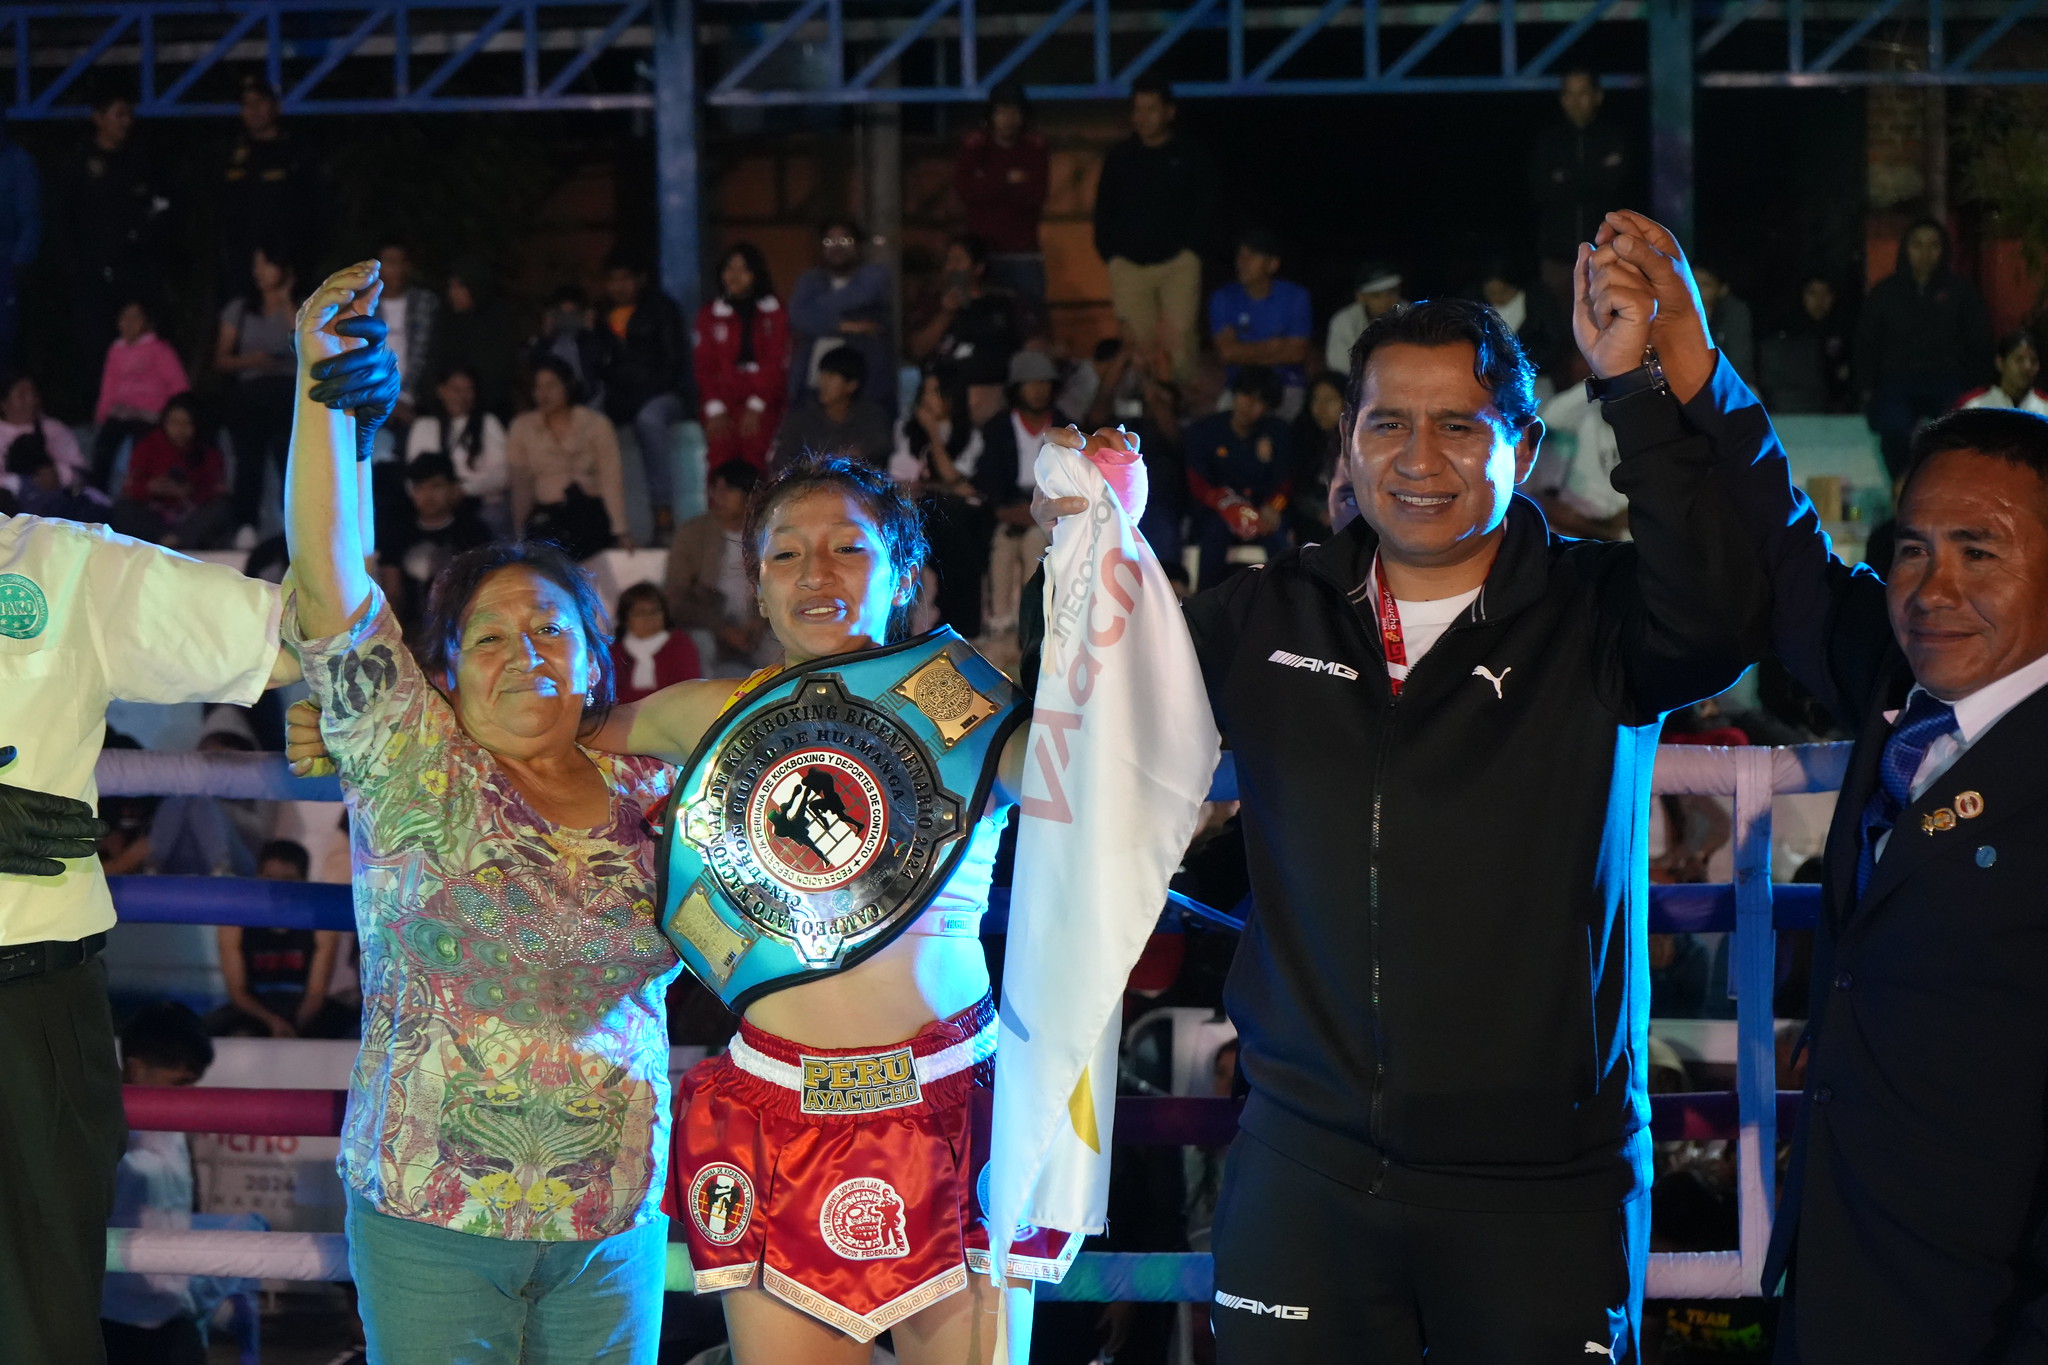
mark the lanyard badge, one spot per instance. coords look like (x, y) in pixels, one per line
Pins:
(1390, 628)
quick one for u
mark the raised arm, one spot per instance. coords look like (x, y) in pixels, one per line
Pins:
(1827, 621)
(323, 489)
(1684, 618)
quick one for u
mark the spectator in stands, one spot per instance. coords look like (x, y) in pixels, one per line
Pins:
(21, 233)
(110, 206)
(1729, 316)
(1803, 365)
(1578, 170)
(646, 374)
(741, 350)
(1535, 321)
(474, 332)
(569, 334)
(1921, 342)
(836, 417)
(125, 821)
(1001, 177)
(40, 486)
(272, 192)
(1131, 393)
(1316, 444)
(1155, 210)
(969, 341)
(254, 346)
(276, 978)
(1572, 480)
(938, 447)
(707, 586)
(649, 652)
(176, 491)
(1678, 962)
(1375, 289)
(1006, 477)
(562, 463)
(1261, 319)
(2019, 365)
(410, 312)
(844, 301)
(158, 1319)
(443, 524)
(1240, 465)
(21, 412)
(473, 439)
(140, 374)
(213, 836)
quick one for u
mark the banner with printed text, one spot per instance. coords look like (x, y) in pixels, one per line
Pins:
(1122, 749)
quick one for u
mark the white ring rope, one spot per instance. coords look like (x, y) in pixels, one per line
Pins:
(1698, 770)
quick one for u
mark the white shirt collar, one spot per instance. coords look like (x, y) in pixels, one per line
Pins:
(1987, 706)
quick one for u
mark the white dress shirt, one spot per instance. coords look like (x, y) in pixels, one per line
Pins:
(1975, 714)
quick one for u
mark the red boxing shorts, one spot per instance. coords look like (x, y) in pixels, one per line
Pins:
(853, 1179)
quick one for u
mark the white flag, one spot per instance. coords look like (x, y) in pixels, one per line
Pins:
(1122, 751)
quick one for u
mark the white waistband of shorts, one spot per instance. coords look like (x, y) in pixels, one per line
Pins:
(935, 1067)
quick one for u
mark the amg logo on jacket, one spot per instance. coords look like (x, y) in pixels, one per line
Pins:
(1281, 656)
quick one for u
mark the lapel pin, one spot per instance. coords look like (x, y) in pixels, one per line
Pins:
(1941, 820)
(1969, 805)
(1986, 855)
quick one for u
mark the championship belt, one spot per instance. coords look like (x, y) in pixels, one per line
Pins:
(826, 808)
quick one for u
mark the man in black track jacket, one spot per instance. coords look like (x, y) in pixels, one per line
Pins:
(1442, 996)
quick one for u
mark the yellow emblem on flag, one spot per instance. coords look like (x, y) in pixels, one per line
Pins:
(1081, 1112)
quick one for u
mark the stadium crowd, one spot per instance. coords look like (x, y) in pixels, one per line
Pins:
(569, 428)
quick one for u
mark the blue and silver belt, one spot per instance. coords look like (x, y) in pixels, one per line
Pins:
(827, 807)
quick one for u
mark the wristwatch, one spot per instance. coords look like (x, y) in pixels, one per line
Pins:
(1644, 378)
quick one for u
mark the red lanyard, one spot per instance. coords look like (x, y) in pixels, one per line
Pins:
(1390, 627)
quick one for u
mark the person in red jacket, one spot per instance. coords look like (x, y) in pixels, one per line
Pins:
(176, 492)
(741, 344)
(648, 653)
(1000, 175)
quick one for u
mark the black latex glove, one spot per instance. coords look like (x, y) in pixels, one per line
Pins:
(363, 381)
(36, 829)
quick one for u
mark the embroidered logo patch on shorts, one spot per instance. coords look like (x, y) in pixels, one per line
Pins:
(862, 1220)
(721, 1203)
(860, 1085)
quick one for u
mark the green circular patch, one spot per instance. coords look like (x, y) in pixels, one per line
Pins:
(24, 611)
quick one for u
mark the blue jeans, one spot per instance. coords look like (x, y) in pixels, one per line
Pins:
(651, 426)
(432, 1296)
(1023, 274)
(1216, 542)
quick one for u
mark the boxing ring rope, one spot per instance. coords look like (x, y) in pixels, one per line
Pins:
(1749, 908)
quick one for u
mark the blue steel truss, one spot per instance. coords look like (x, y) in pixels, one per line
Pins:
(1225, 48)
(334, 56)
(408, 56)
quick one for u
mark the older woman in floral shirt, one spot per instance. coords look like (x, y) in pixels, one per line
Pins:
(508, 1113)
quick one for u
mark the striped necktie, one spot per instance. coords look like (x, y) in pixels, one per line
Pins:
(1925, 719)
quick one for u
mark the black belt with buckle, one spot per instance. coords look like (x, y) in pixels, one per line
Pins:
(20, 961)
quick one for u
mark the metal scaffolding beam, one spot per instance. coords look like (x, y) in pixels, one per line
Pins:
(1250, 49)
(414, 56)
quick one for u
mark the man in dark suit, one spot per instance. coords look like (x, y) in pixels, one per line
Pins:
(1914, 1221)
